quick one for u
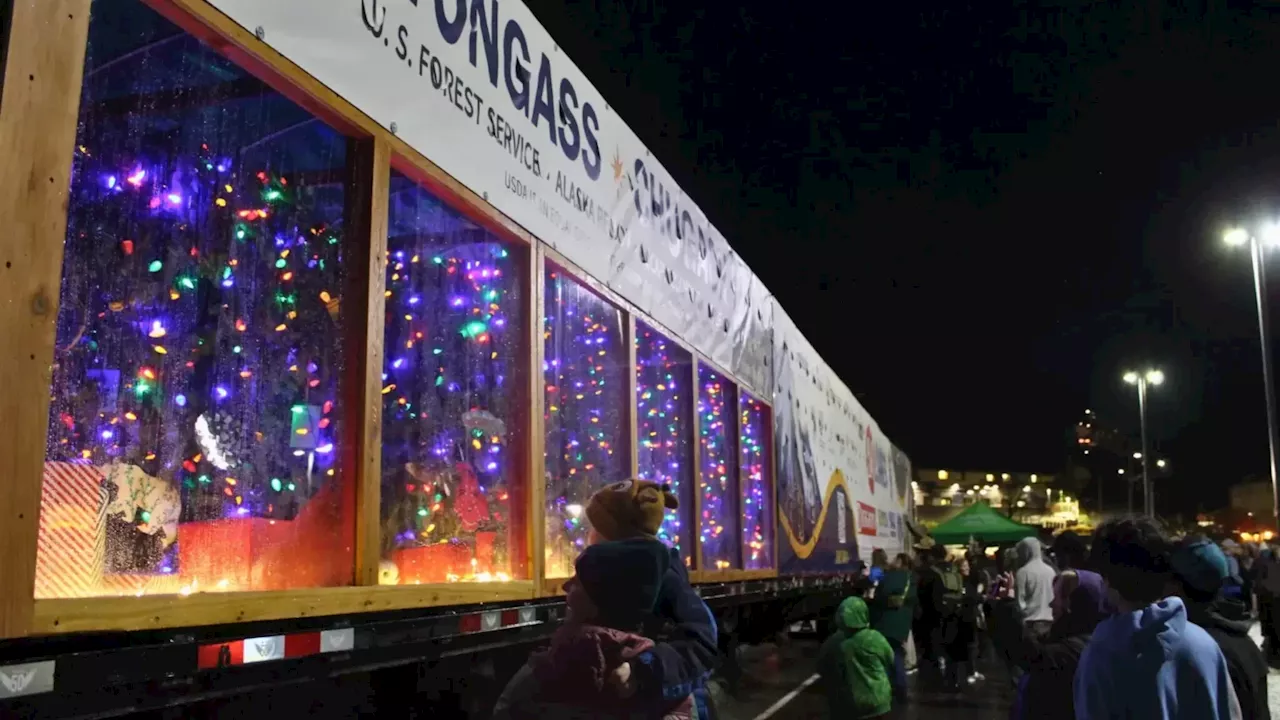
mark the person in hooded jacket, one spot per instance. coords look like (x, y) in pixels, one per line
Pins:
(855, 664)
(1200, 572)
(1033, 587)
(1045, 690)
(596, 666)
(678, 650)
(892, 609)
(1149, 660)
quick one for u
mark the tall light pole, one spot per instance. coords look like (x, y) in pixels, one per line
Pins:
(1237, 238)
(1142, 380)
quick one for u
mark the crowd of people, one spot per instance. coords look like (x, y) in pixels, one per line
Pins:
(1130, 623)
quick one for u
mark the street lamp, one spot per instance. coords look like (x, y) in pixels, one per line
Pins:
(1150, 377)
(1161, 464)
(1238, 237)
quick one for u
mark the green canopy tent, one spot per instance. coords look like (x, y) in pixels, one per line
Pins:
(980, 520)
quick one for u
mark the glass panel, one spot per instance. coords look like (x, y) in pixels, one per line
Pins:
(195, 429)
(456, 350)
(664, 415)
(717, 472)
(757, 470)
(587, 373)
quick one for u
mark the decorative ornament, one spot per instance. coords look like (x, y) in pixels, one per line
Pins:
(485, 421)
(428, 479)
(470, 505)
(151, 504)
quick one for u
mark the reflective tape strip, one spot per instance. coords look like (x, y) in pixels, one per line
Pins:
(263, 649)
(219, 655)
(341, 640)
(274, 647)
(496, 620)
(26, 679)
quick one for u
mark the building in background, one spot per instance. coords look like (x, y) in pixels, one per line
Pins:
(1031, 498)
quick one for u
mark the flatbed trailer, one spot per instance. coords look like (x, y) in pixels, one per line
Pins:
(323, 319)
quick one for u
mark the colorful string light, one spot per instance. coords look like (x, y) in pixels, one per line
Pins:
(664, 430)
(717, 471)
(757, 505)
(586, 374)
(450, 347)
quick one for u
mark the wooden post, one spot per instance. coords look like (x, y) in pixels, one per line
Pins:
(633, 417)
(38, 112)
(536, 491)
(368, 189)
(697, 467)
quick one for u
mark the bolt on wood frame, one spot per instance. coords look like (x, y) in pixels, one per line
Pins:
(39, 105)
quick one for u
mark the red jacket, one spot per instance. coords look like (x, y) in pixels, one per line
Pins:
(571, 680)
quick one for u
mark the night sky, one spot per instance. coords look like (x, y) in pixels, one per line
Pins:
(980, 214)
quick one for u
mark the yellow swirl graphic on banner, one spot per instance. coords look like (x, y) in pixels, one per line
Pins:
(804, 550)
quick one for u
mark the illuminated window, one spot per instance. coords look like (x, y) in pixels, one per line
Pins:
(943, 475)
(664, 426)
(586, 374)
(756, 470)
(717, 471)
(194, 438)
(455, 364)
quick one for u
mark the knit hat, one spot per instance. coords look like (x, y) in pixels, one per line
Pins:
(630, 509)
(1201, 565)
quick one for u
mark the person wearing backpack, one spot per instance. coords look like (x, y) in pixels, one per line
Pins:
(950, 599)
(893, 608)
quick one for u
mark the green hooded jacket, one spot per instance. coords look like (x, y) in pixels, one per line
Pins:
(855, 664)
(894, 622)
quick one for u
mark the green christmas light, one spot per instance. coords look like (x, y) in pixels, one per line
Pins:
(155, 266)
(276, 484)
(473, 329)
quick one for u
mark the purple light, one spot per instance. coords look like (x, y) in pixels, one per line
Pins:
(312, 367)
(107, 434)
(175, 199)
(111, 182)
(456, 302)
(242, 511)
(228, 282)
(414, 300)
(224, 166)
(399, 363)
(491, 467)
(137, 177)
(222, 392)
(325, 449)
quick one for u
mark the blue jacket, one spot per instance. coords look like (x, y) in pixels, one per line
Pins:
(1153, 663)
(686, 653)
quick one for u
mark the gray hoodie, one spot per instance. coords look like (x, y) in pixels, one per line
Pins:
(1034, 582)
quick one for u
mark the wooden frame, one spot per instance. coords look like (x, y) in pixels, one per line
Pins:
(38, 116)
(39, 108)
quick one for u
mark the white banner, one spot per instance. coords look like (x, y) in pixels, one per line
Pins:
(826, 441)
(481, 89)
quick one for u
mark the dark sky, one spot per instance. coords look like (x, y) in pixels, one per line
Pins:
(981, 213)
